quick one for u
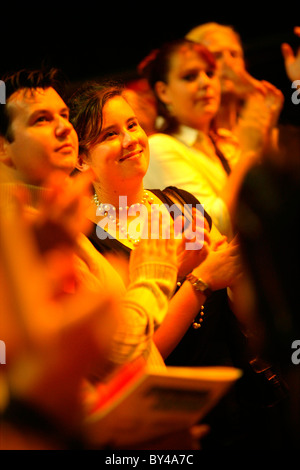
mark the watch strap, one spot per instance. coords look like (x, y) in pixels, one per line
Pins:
(199, 285)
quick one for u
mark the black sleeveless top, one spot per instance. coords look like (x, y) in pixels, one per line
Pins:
(207, 345)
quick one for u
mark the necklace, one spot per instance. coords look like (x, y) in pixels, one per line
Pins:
(105, 209)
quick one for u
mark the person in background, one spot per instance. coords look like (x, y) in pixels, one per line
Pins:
(237, 85)
(190, 152)
(141, 98)
(291, 59)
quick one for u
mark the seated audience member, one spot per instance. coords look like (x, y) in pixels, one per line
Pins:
(112, 143)
(189, 151)
(38, 139)
(237, 85)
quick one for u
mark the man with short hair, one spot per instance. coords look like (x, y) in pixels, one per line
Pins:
(36, 136)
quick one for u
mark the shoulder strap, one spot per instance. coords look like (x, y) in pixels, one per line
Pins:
(182, 197)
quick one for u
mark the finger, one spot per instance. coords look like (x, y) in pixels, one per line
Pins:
(220, 242)
(179, 224)
(287, 52)
(297, 30)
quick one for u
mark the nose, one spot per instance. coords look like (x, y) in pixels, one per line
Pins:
(129, 139)
(226, 58)
(63, 127)
(203, 79)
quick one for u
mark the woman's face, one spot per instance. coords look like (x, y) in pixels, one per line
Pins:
(192, 91)
(122, 152)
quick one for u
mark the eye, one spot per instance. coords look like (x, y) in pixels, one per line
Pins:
(132, 125)
(108, 135)
(190, 77)
(218, 55)
(65, 115)
(41, 118)
(235, 54)
(210, 73)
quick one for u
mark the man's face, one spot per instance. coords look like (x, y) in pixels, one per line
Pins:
(43, 138)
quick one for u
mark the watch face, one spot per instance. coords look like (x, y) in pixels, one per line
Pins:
(199, 285)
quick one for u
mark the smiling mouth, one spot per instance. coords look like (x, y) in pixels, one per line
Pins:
(131, 155)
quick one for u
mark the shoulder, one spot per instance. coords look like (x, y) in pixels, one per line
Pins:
(160, 139)
(184, 197)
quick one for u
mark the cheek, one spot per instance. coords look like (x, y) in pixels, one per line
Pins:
(143, 140)
(144, 143)
(103, 161)
(26, 150)
(103, 155)
(182, 101)
(215, 85)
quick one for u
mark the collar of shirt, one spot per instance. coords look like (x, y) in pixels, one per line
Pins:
(187, 135)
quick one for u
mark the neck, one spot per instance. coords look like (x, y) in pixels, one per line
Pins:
(32, 195)
(205, 144)
(228, 113)
(204, 126)
(120, 218)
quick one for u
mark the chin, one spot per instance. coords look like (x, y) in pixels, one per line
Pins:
(227, 87)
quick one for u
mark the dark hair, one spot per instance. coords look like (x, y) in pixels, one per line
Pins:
(156, 67)
(28, 80)
(86, 106)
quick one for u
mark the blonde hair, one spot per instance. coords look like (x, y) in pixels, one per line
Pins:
(199, 33)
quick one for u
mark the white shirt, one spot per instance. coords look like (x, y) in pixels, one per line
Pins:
(175, 162)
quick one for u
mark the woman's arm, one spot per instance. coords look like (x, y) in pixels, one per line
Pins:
(219, 270)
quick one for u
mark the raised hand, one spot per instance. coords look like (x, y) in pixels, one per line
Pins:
(291, 60)
(194, 246)
(223, 265)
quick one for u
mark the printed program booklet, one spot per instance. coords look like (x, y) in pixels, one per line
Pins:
(140, 404)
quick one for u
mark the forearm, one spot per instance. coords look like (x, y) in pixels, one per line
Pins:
(183, 308)
(144, 307)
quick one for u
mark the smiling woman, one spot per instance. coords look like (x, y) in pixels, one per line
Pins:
(121, 153)
(199, 328)
(111, 141)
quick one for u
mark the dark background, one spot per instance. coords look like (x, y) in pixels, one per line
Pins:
(108, 40)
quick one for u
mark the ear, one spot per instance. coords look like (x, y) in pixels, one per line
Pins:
(162, 92)
(5, 157)
(81, 164)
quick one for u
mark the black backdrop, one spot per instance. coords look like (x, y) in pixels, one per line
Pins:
(102, 40)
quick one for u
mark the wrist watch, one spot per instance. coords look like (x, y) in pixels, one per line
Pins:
(199, 285)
